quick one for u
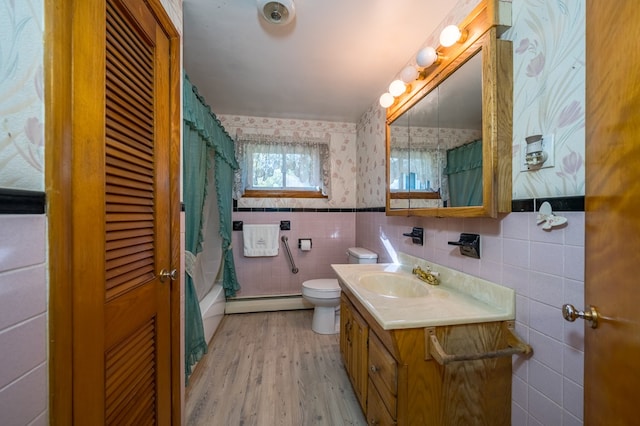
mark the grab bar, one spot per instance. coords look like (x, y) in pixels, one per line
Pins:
(286, 246)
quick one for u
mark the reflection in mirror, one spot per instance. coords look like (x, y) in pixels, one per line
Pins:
(435, 153)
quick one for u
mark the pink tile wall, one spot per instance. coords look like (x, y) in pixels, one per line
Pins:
(545, 268)
(331, 233)
(23, 320)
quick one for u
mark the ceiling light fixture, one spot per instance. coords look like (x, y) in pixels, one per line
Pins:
(279, 12)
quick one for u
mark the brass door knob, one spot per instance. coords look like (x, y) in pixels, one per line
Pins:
(570, 313)
(168, 275)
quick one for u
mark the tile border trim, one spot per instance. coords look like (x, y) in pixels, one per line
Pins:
(18, 201)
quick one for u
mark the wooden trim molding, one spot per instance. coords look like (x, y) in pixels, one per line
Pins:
(265, 193)
(57, 106)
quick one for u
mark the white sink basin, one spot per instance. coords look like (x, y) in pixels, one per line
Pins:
(392, 284)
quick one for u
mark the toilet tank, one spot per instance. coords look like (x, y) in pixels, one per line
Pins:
(361, 255)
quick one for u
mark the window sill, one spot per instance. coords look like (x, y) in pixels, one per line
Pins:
(252, 193)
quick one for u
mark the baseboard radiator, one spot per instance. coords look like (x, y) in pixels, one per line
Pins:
(287, 302)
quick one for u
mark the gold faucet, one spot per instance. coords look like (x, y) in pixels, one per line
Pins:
(428, 276)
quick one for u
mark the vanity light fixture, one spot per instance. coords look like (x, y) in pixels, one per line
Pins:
(409, 74)
(386, 100)
(451, 35)
(397, 88)
(426, 57)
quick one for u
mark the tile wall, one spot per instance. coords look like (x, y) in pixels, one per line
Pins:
(23, 339)
(545, 268)
(332, 233)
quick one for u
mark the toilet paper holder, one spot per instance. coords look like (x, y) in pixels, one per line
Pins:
(300, 240)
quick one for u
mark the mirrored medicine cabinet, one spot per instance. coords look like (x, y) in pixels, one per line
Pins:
(448, 138)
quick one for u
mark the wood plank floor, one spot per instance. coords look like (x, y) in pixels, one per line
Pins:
(270, 369)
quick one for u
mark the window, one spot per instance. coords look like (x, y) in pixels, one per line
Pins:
(282, 168)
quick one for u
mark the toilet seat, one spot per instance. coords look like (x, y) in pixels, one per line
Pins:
(324, 288)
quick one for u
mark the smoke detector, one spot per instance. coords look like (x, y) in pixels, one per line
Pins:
(277, 12)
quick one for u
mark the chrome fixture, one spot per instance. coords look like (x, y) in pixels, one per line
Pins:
(469, 245)
(417, 235)
(570, 313)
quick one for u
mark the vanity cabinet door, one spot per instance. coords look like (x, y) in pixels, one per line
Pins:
(377, 413)
(353, 345)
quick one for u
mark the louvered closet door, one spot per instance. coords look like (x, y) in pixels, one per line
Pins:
(126, 377)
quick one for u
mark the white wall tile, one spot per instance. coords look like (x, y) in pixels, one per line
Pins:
(516, 225)
(22, 241)
(23, 295)
(573, 398)
(546, 319)
(26, 399)
(516, 278)
(515, 252)
(23, 348)
(574, 232)
(547, 258)
(543, 410)
(545, 288)
(518, 415)
(573, 364)
(545, 380)
(547, 350)
(519, 392)
(574, 262)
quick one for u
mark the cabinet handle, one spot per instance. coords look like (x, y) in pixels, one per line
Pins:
(373, 368)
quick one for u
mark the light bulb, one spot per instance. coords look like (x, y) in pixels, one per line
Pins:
(408, 74)
(397, 88)
(426, 56)
(386, 100)
(450, 35)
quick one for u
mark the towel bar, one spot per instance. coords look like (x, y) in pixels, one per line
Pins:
(514, 346)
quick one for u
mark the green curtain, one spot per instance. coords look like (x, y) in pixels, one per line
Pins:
(464, 170)
(204, 132)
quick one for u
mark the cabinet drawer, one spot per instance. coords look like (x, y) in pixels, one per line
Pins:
(383, 372)
(377, 413)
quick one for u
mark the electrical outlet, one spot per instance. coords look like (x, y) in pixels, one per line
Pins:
(548, 146)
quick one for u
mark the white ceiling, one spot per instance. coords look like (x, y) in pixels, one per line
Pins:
(331, 63)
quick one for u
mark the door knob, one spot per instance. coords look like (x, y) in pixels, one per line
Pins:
(168, 275)
(571, 314)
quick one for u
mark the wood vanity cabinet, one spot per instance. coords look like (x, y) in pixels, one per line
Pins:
(354, 336)
(398, 383)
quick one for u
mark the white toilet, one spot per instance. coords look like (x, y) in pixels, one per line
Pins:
(324, 294)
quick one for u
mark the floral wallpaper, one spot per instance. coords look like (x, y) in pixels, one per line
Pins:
(342, 151)
(21, 95)
(549, 93)
(549, 98)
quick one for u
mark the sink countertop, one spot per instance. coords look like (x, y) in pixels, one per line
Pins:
(459, 299)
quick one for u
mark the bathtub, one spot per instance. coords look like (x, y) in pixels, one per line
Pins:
(212, 310)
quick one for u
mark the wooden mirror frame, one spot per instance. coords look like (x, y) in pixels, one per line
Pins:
(483, 26)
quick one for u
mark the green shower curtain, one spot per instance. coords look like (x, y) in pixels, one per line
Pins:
(464, 170)
(202, 133)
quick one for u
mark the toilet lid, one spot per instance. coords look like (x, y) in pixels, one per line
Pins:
(323, 284)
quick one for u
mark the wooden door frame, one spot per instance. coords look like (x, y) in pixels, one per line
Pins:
(59, 85)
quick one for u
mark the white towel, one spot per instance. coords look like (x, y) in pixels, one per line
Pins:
(260, 240)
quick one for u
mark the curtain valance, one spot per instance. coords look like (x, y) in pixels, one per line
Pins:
(199, 117)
